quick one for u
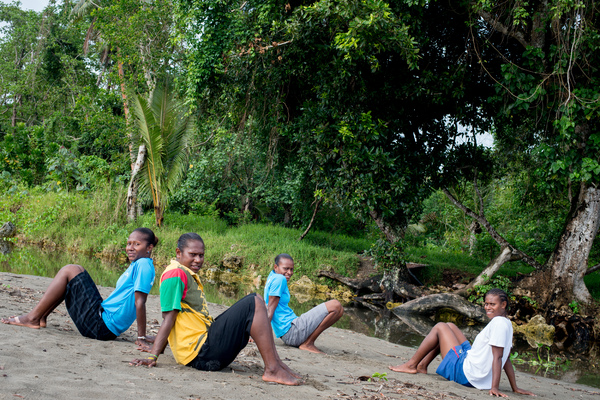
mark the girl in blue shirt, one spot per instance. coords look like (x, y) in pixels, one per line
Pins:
(296, 331)
(94, 318)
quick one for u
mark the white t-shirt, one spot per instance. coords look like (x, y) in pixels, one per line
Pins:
(478, 362)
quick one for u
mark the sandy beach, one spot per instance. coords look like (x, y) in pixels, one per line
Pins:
(58, 363)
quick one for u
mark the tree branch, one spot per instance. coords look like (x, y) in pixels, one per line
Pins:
(519, 36)
(593, 269)
(493, 233)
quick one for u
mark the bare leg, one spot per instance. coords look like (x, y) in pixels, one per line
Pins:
(335, 313)
(54, 295)
(422, 366)
(275, 370)
(441, 337)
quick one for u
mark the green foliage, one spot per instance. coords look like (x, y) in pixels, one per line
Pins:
(352, 100)
(574, 307)
(387, 255)
(538, 360)
(64, 172)
(477, 294)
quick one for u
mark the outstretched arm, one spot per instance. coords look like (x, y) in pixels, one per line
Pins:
(510, 374)
(161, 340)
(273, 303)
(496, 371)
(140, 314)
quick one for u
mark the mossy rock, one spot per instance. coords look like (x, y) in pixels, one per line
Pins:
(536, 331)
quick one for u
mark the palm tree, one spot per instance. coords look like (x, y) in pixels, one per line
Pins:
(165, 130)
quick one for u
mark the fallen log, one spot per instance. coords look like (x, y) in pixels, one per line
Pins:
(432, 303)
(370, 285)
(423, 325)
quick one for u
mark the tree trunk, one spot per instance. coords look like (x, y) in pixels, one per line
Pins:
(390, 233)
(432, 303)
(489, 271)
(311, 220)
(562, 281)
(395, 280)
(133, 185)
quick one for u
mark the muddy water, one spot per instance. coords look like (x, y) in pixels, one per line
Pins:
(583, 369)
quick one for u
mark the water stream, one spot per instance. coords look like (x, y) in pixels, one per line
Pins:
(583, 369)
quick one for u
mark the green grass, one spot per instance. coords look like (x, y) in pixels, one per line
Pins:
(93, 224)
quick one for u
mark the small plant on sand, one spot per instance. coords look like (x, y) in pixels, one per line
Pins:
(378, 377)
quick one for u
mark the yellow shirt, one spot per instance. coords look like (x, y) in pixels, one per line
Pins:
(181, 289)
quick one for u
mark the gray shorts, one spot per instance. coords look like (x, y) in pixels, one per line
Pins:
(303, 326)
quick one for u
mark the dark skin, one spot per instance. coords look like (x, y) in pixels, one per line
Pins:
(444, 336)
(192, 257)
(137, 247)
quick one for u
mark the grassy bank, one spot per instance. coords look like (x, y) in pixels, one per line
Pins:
(94, 224)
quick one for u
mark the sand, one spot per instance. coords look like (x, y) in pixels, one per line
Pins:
(58, 363)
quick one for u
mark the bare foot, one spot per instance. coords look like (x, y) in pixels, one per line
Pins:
(43, 322)
(21, 320)
(310, 347)
(280, 376)
(421, 370)
(291, 371)
(407, 369)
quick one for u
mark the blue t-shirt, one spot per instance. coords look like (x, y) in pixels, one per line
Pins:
(119, 308)
(283, 316)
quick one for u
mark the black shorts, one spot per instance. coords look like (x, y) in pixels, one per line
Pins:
(227, 336)
(83, 303)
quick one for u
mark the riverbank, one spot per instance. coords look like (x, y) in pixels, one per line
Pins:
(57, 362)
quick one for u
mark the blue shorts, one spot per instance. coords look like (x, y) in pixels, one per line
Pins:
(451, 367)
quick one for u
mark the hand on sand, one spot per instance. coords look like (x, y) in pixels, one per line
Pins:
(21, 320)
(523, 391)
(497, 393)
(150, 362)
(144, 344)
(150, 338)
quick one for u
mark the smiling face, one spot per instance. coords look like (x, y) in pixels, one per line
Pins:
(285, 268)
(191, 256)
(494, 307)
(138, 246)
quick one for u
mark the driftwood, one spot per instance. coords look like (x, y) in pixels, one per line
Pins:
(430, 304)
(506, 254)
(423, 325)
(370, 285)
(8, 230)
(368, 299)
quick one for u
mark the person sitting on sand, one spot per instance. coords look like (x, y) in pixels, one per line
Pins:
(477, 366)
(296, 331)
(196, 339)
(94, 318)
